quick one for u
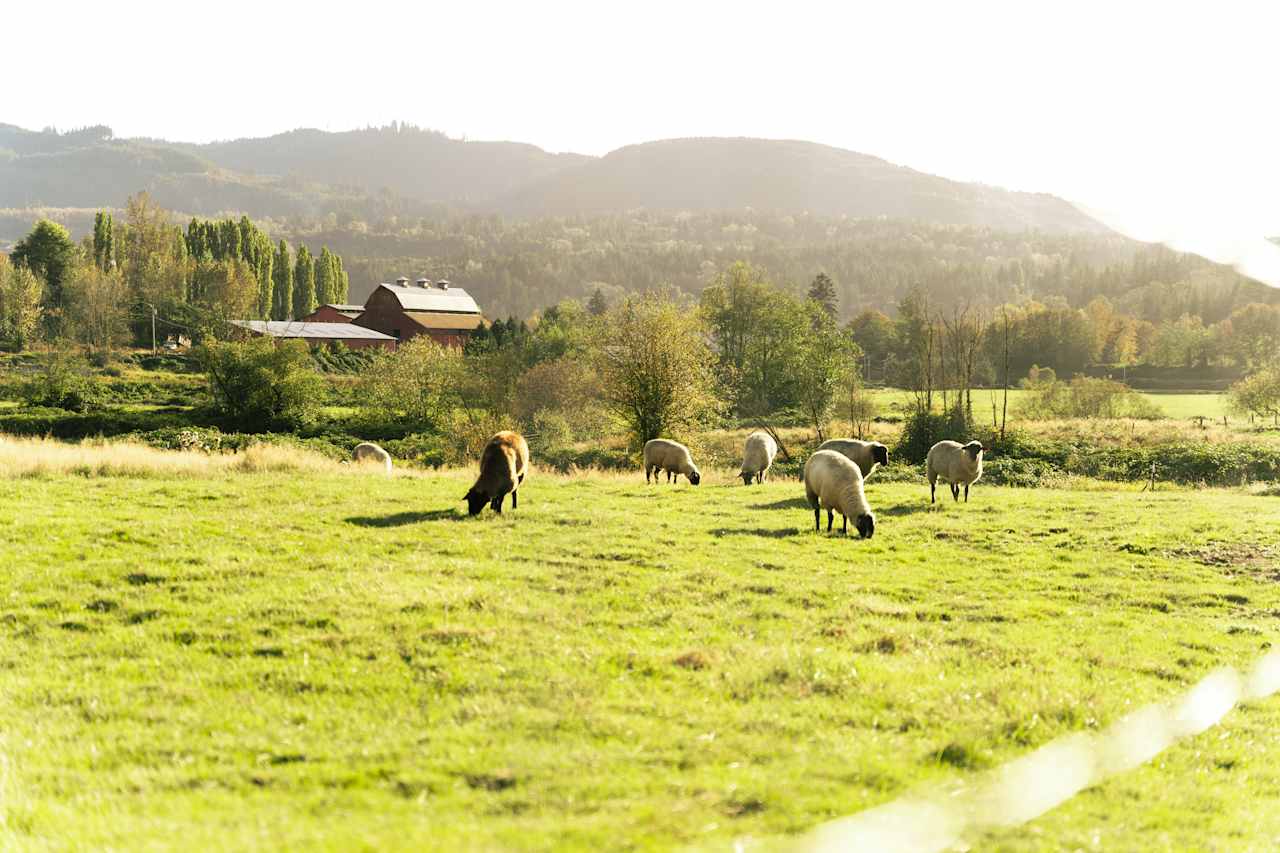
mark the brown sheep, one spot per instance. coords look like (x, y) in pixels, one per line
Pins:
(503, 464)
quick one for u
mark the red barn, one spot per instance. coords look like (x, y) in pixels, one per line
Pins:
(404, 311)
(334, 314)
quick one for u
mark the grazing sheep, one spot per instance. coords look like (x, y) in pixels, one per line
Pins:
(832, 481)
(662, 454)
(867, 455)
(503, 464)
(956, 464)
(367, 451)
(757, 457)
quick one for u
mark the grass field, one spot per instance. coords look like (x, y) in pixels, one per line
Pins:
(330, 659)
(1181, 406)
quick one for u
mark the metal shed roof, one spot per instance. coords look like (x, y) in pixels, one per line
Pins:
(299, 329)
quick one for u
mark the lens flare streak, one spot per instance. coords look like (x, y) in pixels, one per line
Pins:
(932, 820)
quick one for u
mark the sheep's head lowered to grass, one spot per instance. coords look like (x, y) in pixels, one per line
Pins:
(475, 501)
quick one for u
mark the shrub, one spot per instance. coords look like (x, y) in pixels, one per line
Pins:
(260, 384)
(63, 382)
(925, 429)
(549, 429)
(1086, 397)
(430, 451)
(1258, 393)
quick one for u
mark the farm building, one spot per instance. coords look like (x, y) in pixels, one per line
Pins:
(317, 334)
(405, 311)
(334, 314)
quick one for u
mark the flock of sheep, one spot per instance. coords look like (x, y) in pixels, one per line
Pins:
(833, 475)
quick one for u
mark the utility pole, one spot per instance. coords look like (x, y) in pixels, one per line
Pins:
(153, 330)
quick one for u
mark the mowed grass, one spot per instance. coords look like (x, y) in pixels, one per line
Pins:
(325, 660)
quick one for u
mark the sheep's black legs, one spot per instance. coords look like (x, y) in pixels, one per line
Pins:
(844, 524)
(933, 493)
(497, 504)
(966, 493)
(831, 517)
(955, 492)
(515, 499)
(817, 519)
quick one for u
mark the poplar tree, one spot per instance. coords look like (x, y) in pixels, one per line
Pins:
(324, 277)
(282, 284)
(263, 268)
(247, 242)
(342, 285)
(304, 284)
(103, 241)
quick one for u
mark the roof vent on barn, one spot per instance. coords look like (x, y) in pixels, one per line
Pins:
(443, 284)
(403, 281)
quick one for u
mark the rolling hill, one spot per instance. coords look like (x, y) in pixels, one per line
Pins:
(792, 176)
(404, 169)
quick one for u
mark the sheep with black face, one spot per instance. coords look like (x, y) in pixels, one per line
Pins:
(663, 454)
(757, 457)
(867, 455)
(955, 464)
(834, 483)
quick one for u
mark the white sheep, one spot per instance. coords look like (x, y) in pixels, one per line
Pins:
(662, 454)
(367, 451)
(954, 463)
(757, 457)
(867, 455)
(833, 482)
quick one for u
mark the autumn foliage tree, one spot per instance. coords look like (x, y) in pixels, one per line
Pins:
(656, 368)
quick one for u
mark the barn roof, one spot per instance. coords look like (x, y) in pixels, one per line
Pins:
(415, 297)
(310, 331)
(344, 309)
(445, 320)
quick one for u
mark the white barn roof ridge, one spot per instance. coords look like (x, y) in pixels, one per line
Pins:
(413, 297)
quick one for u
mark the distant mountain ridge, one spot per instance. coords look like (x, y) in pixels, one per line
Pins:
(407, 169)
(719, 173)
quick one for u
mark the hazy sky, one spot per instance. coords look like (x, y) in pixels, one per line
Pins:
(1159, 117)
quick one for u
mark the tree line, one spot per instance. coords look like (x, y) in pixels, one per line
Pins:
(144, 267)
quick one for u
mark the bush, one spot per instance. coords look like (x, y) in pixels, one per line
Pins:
(64, 382)
(261, 384)
(430, 451)
(550, 429)
(106, 423)
(925, 429)
(341, 359)
(171, 362)
(1086, 397)
(566, 459)
(1023, 473)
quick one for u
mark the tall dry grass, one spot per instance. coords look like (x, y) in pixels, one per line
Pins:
(38, 457)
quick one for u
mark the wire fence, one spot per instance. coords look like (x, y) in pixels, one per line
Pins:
(938, 818)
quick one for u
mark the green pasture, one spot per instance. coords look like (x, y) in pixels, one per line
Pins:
(344, 661)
